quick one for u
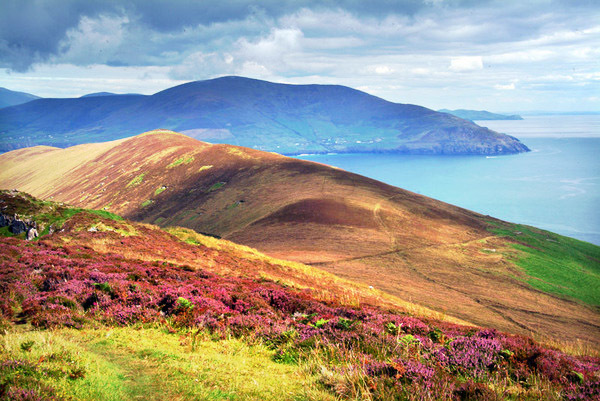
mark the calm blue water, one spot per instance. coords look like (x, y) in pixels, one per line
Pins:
(555, 187)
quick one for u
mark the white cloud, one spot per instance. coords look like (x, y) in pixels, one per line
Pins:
(201, 65)
(94, 40)
(383, 70)
(255, 70)
(510, 86)
(466, 63)
(524, 56)
(273, 49)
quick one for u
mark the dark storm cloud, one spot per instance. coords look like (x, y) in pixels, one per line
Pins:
(32, 30)
(154, 31)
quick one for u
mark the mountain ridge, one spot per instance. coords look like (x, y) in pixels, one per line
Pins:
(288, 119)
(13, 98)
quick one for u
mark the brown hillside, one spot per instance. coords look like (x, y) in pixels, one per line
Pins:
(411, 246)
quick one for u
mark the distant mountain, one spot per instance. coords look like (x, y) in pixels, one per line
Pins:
(98, 94)
(13, 98)
(480, 269)
(480, 115)
(288, 119)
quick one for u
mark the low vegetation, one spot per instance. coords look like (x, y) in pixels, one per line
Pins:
(124, 363)
(181, 160)
(216, 186)
(136, 181)
(49, 216)
(70, 313)
(556, 264)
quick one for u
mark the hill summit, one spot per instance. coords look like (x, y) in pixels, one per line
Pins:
(288, 119)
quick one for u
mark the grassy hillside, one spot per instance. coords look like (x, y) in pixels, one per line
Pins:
(290, 119)
(554, 263)
(118, 314)
(401, 243)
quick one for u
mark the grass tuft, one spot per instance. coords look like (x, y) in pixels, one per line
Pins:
(181, 160)
(136, 181)
(216, 186)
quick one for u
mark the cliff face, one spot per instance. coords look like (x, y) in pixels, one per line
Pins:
(288, 119)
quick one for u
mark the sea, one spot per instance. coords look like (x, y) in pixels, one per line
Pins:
(556, 186)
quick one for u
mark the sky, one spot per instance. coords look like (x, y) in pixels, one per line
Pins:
(503, 56)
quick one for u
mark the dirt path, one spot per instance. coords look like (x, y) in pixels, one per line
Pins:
(383, 226)
(141, 378)
(399, 251)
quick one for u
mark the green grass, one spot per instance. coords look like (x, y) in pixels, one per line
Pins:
(58, 218)
(556, 264)
(149, 363)
(233, 205)
(5, 232)
(160, 190)
(47, 214)
(105, 214)
(216, 186)
(181, 160)
(136, 181)
(60, 367)
(147, 202)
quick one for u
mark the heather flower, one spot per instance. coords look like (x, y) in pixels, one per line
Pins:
(473, 355)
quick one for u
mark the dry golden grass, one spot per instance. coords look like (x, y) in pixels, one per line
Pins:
(37, 170)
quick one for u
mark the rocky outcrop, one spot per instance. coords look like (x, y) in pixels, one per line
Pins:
(31, 234)
(18, 226)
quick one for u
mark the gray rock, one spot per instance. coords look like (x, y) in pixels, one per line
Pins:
(31, 234)
(17, 227)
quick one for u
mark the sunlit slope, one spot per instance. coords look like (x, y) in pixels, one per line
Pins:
(408, 245)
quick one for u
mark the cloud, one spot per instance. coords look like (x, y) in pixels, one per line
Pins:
(466, 63)
(414, 51)
(96, 40)
(273, 49)
(202, 65)
(383, 70)
(510, 86)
